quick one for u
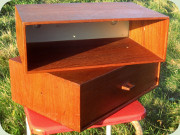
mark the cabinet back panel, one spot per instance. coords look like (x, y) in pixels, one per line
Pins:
(76, 31)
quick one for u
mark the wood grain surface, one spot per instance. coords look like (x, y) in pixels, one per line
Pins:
(84, 54)
(152, 35)
(104, 93)
(84, 12)
(49, 95)
(21, 39)
(78, 99)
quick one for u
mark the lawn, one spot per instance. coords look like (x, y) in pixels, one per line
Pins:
(162, 104)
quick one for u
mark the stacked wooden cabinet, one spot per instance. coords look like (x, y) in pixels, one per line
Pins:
(80, 62)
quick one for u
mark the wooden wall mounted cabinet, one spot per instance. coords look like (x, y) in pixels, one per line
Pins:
(86, 60)
(80, 98)
(73, 36)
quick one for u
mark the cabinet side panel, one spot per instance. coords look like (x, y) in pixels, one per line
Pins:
(16, 82)
(19, 35)
(47, 94)
(152, 34)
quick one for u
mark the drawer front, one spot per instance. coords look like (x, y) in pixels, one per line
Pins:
(111, 91)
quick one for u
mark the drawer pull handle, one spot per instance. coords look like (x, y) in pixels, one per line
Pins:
(127, 86)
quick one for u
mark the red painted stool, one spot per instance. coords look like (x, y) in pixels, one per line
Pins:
(38, 124)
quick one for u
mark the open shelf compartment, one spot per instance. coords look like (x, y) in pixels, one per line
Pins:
(59, 41)
(83, 54)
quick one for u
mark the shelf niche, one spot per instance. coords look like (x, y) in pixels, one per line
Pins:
(71, 46)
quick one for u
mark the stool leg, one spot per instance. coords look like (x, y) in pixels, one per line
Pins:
(138, 127)
(108, 130)
(28, 131)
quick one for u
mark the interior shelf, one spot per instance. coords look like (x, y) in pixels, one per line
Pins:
(83, 54)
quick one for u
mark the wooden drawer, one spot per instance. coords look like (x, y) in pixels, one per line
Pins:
(79, 98)
(109, 92)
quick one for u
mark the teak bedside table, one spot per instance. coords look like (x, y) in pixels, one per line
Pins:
(81, 62)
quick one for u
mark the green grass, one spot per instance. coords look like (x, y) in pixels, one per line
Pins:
(162, 104)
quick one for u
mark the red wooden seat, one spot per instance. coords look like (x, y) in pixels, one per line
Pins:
(39, 124)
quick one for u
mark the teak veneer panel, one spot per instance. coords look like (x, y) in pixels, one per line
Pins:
(84, 12)
(151, 34)
(83, 54)
(78, 99)
(51, 96)
(21, 38)
(108, 95)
